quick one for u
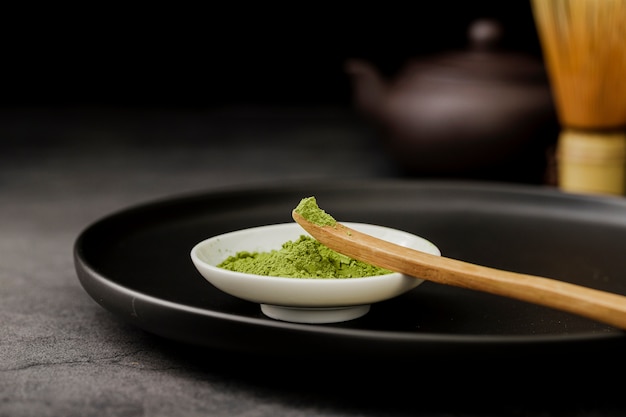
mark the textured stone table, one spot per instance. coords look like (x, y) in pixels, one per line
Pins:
(61, 354)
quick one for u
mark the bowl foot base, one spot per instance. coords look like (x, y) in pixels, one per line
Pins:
(314, 315)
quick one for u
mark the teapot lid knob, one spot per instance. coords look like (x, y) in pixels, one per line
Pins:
(485, 34)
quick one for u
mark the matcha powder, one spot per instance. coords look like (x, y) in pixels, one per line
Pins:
(303, 258)
(309, 209)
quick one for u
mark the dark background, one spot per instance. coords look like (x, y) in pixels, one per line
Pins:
(207, 55)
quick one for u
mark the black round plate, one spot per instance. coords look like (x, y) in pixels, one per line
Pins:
(136, 264)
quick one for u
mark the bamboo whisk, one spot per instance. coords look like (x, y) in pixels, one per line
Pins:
(584, 46)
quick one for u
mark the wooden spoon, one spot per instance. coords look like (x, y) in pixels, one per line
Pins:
(598, 305)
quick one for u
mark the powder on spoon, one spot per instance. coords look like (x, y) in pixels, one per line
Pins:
(309, 209)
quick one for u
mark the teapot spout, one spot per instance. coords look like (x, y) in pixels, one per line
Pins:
(368, 85)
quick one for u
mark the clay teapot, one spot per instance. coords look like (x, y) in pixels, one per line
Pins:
(478, 113)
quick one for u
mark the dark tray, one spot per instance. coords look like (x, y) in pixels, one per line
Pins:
(136, 264)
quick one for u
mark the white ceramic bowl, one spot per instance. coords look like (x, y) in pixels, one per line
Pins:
(302, 300)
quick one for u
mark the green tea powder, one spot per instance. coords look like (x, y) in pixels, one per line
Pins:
(303, 258)
(309, 209)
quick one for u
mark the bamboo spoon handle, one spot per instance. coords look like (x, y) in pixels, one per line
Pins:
(598, 305)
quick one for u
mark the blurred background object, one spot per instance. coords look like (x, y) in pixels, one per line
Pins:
(584, 45)
(269, 56)
(482, 113)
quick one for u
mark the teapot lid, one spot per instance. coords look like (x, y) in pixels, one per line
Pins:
(483, 59)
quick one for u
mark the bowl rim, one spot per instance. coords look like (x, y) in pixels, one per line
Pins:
(196, 258)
